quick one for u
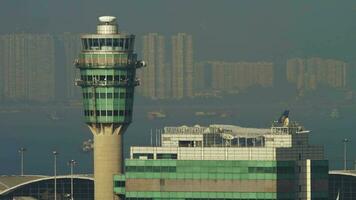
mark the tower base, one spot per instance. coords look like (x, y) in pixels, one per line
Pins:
(108, 154)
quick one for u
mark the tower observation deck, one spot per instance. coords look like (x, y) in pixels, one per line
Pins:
(107, 66)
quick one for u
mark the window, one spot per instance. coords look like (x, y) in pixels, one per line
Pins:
(143, 155)
(102, 42)
(109, 42)
(122, 95)
(116, 78)
(167, 156)
(103, 113)
(95, 42)
(102, 78)
(116, 95)
(119, 183)
(261, 170)
(97, 95)
(97, 113)
(122, 78)
(116, 113)
(121, 43)
(90, 42)
(102, 95)
(109, 112)
(115, 42)
(121, 112)
(85, 44)
(109, 95)
(109, 78)
(186, 144)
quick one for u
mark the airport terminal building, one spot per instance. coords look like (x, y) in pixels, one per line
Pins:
(30, 187)
(226, 162)
(342, 184)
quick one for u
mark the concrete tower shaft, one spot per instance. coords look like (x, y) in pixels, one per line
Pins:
(107, 66)
(108, 156)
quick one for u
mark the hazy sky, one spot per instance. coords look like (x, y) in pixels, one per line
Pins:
(225, 29)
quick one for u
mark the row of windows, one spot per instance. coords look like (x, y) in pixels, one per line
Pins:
(121, 95)
(107, 43)
(133, 198)
(151, 169)
(119, 183)
(159, 156)
(167, 156)
(105, 78)
(280, 170)
(108, 113)
(251, 170)
(145, 155)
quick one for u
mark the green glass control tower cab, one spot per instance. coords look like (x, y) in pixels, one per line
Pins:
(107, 66)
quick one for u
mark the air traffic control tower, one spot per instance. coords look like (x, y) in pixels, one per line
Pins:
(107, 66)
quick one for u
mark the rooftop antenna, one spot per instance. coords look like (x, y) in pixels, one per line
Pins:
(151, 138)
(21, 152)
(345, 141)
(156, 138)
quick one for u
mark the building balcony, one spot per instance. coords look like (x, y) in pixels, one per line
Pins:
(123, 83)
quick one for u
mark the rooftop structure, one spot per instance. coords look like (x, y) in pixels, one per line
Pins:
(107, 66)
(227, 162)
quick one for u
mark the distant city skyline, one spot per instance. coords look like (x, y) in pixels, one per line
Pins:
(172, 72)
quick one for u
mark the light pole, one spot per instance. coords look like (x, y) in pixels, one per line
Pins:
(345, 141)
(21, 152)
(55, 154)
(71, 163)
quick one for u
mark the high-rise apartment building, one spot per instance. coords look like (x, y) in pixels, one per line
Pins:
(27, 62)
(310, 73)
(182, 66)
(154, 77)
(230, 76)
(69, 45)
(227, 162)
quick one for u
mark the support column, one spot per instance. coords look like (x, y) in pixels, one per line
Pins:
(108, 155)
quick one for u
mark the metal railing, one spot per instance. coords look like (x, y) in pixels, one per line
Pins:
(124, 83)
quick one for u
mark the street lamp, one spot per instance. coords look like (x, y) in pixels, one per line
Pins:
(21, 152)
(71, 163)
(345, 141)
(55, 154)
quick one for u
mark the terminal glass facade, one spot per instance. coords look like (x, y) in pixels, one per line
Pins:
(83, 189)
